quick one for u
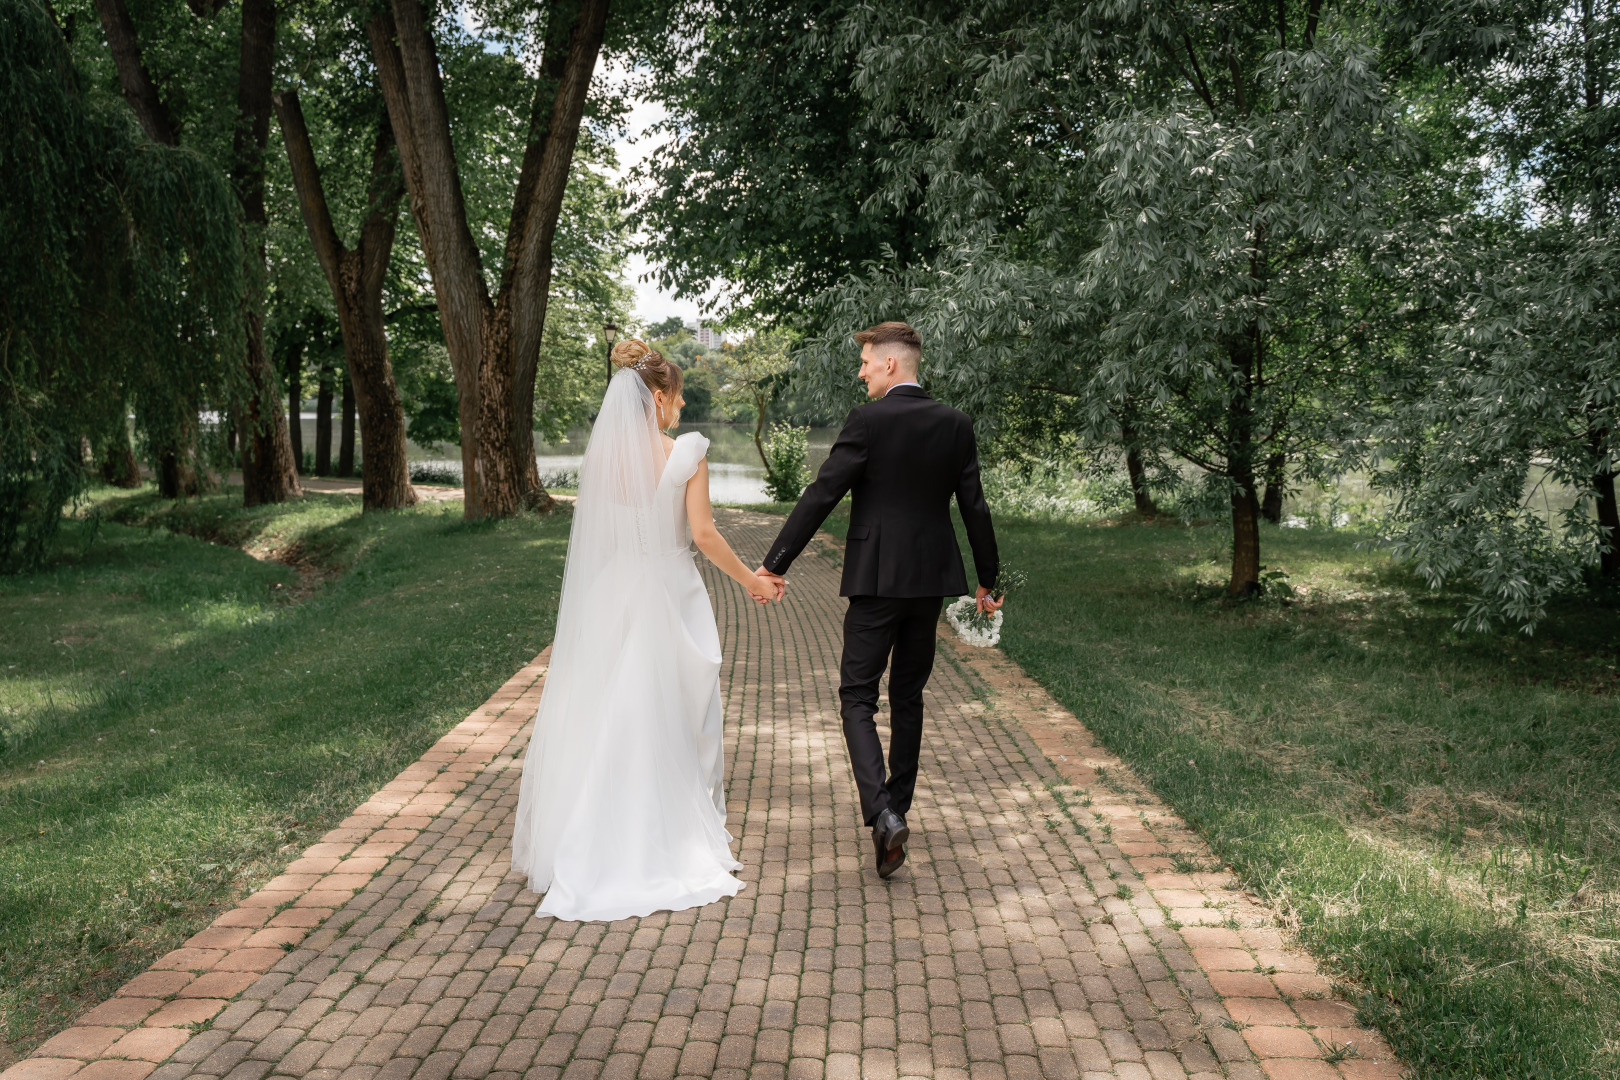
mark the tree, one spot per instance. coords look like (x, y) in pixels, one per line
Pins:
(269, 473)
(130, 296)
(766, 187)
(1521, 394)
(1162, 228)
(356, 276)
(1520, 391)
(493, 340)
(752, 373)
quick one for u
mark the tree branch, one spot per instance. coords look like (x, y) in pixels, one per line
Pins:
(1282, 24)
(136, 81)
(560, 22)
(408, 72)
(254, 80)
(306, 175)
(532, 273)
(1202, 85)
(384, 189)
(1237, 82)
(1313, 10)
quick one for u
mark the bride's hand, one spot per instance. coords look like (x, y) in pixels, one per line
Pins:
(761, 589)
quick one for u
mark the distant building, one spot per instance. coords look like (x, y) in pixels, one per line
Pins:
(706, 335)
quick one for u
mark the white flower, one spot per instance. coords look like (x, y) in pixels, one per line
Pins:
(971, 626)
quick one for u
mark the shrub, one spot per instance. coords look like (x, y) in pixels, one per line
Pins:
(436, 472)
(785, 470)
(448, 472)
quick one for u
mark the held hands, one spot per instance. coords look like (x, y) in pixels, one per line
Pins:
(774, 586)
(987, 603)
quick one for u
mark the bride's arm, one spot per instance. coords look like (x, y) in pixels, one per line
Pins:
(700, 516)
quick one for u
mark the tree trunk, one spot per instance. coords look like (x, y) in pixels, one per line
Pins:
(501, 482)
(1245, 580)
(1245, 544)
(1276, 488)
(356, 279)
(139, 89)
(269, 473)
(295, 404)
(323, 422)
(177, 478)
(118, 464)
(1608, 513)
(346, 454)
(385, 478)
(493, 343)
(1137, 472)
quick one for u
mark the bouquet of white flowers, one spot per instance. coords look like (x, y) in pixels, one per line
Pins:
(972, 625)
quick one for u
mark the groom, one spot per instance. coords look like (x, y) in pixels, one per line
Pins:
(902, 456)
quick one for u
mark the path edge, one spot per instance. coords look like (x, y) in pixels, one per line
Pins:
(236, 961)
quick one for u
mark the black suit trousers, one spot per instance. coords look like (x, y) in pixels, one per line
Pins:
(875, 627)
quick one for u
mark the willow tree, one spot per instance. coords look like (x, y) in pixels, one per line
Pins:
(269, 473)
(129, 295)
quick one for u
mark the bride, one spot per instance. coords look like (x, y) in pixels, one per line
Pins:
(622, 810)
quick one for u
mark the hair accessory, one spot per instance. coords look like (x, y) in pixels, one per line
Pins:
(640, 364)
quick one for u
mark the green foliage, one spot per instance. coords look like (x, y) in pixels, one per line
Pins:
(1049, 491)
(128, 298)
(786, 469)
(1521, 393)
(178, 728)
(766, 187)
(428, 391)
(1195, 266)
(1274, 242)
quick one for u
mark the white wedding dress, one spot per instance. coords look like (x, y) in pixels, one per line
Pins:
(622, 808)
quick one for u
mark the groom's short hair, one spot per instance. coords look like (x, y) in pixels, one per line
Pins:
(898, 335)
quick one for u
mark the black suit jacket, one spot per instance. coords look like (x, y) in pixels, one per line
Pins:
(903, 457)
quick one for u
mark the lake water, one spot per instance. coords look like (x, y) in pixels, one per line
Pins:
(735, 472)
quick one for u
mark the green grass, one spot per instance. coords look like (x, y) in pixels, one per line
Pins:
(1441, 814)
(1437, 814)
(179, 718)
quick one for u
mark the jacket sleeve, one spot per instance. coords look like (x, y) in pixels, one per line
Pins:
(976, 517)
(844, 465)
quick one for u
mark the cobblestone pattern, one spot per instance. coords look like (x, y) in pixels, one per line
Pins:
(1033, 933)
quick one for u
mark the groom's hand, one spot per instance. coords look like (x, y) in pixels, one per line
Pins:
(775, 579)
(987, 603)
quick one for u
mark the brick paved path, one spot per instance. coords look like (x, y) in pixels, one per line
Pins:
(1040, 928)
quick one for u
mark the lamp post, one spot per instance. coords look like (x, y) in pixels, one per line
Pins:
(610, 334)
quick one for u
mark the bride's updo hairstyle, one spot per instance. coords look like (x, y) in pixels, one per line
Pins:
(649, 363)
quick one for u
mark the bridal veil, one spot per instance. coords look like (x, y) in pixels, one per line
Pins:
(621, 810)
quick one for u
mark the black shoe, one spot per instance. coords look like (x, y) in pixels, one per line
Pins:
(889, 836)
